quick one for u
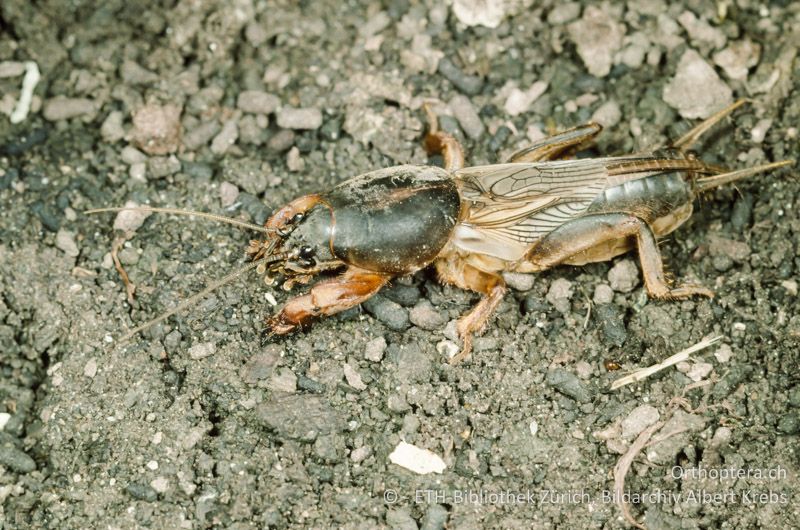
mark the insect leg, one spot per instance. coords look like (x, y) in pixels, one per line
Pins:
(327, 298)
(586, 238)
(466, 276)
(437, 142)
(685, 142)
(555, 146)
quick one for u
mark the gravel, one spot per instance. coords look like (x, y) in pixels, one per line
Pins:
(623, 276)
(293, 118)
(257, 102)
(64, 108)
(143, 434)
(157, 128)
(390, 313)
(684, 93)
(470, 85)
(569, 384)
(597, 36)
(467, 116)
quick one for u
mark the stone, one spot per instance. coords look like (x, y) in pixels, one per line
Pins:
(696, 91)
(597, 36)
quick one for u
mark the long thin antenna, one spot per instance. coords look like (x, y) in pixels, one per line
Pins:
(192, 299)
(176, 211)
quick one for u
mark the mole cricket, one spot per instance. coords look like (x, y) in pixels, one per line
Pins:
(535, 211)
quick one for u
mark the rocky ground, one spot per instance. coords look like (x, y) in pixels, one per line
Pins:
(238, 107)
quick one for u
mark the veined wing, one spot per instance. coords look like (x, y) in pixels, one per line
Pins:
(513, 205)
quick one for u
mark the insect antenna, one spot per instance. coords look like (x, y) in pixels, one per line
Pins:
(194, 298)
(176, 211)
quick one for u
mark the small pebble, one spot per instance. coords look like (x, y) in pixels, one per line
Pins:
(682, 94)
(467, 116)
(294, 118)
(130, 220)
(226, 137)
(160, 484)
(294, 161)
(375, 349)
(638, 420)
(131, 155)
(390, 313)
(724, 353)
(612, 324)
(200, 135)
(281, 140)
(228, 193)
(360, 454)
(759, 132)
(447, 348)
(519, 101)
(283, 380)
(16, 460)
(623, 276)
(142, 492)
(90, 368)
(470, 85)
(737, 59)
(563, 12)
(163, 166)
(11, 69)
(157, 128)
(63, 108)
(65, 241)
(413, 458)
(699, 371)
(608, 114)
(597, 36)
(789, 424)
(559, 294)
(353, 378)
(202, 350)
(4, 417)
(603, 294)
(424, 316)
(519, 281)
(701, 30)
(112, 130)
(480, 12)
(257, 102)
(568, 384)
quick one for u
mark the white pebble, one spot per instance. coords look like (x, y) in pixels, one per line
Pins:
(130, 220)
(353, 377)
(65, 241)
(696, 90)
(29, 83)
(413, 458)
(202, 350)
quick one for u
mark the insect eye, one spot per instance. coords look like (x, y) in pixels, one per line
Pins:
(306, 252)
(296, 218)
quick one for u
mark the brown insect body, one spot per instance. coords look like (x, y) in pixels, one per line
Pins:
(473, 223)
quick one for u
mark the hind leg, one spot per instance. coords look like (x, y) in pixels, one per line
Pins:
(557, 145)
(585, 240)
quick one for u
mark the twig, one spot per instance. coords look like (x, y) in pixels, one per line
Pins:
(130, 288)
(666, 363)
(624, 465)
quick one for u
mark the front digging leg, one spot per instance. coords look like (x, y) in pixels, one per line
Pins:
(327, 298)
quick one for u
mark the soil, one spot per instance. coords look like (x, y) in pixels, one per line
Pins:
(202, 422)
